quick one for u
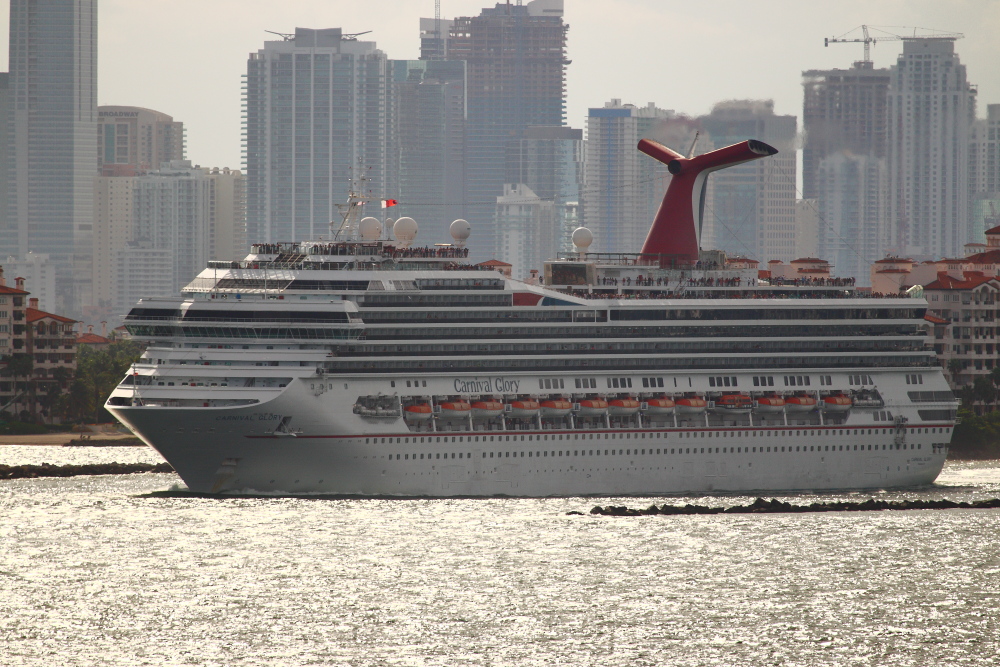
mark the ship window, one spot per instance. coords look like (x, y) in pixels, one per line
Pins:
(711, 381)
(756, 381)
(392, 383)
(726, 381)
(407, 383)
(645, 382)
(577, 380)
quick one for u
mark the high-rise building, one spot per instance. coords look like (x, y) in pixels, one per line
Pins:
(930, 110)
(752, 208)
(318, 115)
(516, 63)
(175, 218)
(527, 229)
(845, 122)
(6, 143)
(851, 206)
(844, 111)
(549, 161)
(53, 77)
(429, 111)
(984, 171)
(623, 188)
(141, 138)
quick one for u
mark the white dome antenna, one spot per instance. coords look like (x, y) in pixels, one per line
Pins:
(582, 238)
(370, 228)
(405, 230)
(460, 230)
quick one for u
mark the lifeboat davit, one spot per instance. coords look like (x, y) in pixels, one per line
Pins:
(420, 412)
(691, 405)
(522, 409)
(660, 406)
(800, 403)
(593, 407)
(556, 408)
(837, 403)
(455, 410)
(623, 407)
(738, 404)
(487, 409)
(770, 404)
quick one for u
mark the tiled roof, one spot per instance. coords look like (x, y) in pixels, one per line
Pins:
(10, 290)
(987, 257)
(494, 262)
(971, 281)
(33, 315)
(92, 339)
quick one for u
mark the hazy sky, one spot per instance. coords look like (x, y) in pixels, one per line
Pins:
(185, 57)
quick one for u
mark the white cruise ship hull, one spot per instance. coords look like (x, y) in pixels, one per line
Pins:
(302, 443)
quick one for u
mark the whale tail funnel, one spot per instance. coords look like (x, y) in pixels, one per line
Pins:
(677, 226)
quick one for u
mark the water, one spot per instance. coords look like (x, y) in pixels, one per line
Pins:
(92, 572)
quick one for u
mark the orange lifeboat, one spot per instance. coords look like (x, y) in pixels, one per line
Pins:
(739, 404)
(557, 407)
(522, 409)
(691, 405)
(420, 412)
(455, 409)
(837, 403)
(592, 407)
(800, 403)
(770, 404)
(660, 406)
(486, 409)
(623, 407)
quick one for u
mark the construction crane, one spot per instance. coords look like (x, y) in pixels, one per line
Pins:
(886, 36)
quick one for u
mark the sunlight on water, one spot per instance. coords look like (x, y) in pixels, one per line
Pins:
(93, 572)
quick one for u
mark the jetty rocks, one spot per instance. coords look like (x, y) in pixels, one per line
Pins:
(761, 506)
(49, 470)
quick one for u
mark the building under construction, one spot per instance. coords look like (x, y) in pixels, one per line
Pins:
(516, 69)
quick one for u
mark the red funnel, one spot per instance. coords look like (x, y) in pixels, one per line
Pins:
(678, 220)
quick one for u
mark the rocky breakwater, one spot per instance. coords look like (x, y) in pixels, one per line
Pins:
(49, 470)
(773, 506)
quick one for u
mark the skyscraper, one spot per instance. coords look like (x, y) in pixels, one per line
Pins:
(931, 108)
(53, 72)
(846, 128)
(318, 114)
(429, 111)
(516, 62)
(141, 138)
(984, 171)
(549, 161)
(752, 210)
(623, 187)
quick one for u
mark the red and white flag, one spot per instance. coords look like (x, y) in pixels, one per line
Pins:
(386, 203)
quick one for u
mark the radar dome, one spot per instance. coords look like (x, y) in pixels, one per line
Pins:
(582, 238)
(405, 230)
(370, 228)
(460, 230)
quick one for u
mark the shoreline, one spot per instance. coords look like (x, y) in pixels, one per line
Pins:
(72, 439)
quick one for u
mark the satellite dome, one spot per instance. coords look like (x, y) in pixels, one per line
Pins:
(582, 238)
(405, 230)
(370, 228)
(460, 230)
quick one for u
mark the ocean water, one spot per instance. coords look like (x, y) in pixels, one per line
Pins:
(95, 572)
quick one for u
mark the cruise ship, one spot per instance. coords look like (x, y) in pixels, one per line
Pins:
(365, 365)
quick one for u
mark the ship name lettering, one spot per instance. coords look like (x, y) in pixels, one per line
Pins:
(498, 385)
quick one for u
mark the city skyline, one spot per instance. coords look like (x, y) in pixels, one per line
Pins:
(626, 50)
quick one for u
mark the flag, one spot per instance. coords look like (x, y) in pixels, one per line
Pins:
(386, 203)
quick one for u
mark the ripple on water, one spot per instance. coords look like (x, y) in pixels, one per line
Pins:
(92, 572)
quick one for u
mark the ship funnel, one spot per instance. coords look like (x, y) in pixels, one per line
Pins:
(677, 226)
